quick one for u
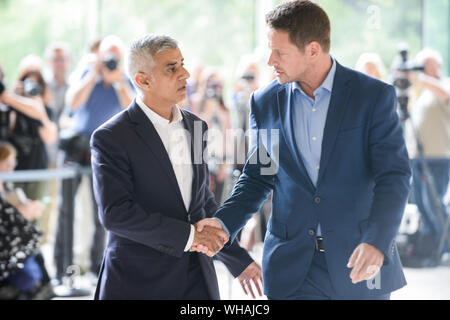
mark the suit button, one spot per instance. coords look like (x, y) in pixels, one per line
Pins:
(317, 200)
(311, 232)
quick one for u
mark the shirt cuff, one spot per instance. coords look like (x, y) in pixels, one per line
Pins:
(224, 227)
(190, 239)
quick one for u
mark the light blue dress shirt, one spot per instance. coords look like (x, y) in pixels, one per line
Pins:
(309, 117)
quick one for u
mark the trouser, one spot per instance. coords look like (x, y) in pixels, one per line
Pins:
(440, 171)
(63, 253)
(318, 286)
(196, 288)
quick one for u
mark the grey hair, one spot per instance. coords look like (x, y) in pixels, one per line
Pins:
(428, 53)
(141, 53)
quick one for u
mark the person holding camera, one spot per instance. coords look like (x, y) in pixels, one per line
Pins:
(26, 124)
(430, 118)
(211, 108)
(102, 92)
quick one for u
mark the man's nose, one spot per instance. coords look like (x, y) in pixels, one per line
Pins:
(271, 61)
(186, 75)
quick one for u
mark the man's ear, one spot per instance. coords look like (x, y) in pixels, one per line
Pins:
(313, 49)
(143, 80)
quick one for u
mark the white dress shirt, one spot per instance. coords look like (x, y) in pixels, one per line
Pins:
(174, 138)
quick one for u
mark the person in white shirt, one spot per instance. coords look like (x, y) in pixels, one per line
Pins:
(152, 187)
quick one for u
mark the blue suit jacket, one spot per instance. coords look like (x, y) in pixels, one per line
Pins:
(141, 206)
(361, 192)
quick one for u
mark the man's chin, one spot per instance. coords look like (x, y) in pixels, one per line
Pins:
(180, 97)
(282, 80)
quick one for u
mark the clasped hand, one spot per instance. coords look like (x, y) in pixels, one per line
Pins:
(209, 237)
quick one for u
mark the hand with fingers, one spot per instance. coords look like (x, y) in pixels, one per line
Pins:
(211, 222)
(366, 261)
(251, 274)
(207, 224)
(209, 240)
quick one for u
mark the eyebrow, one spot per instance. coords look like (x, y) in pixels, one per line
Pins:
(173, 63)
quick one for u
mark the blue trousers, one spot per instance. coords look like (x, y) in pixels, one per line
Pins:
(318, 286)
(440, 170)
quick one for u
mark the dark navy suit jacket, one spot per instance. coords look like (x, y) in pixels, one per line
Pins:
(141, 206)
(361, 192)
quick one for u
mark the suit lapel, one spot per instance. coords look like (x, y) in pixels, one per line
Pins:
(338, 104)
(285, 111)
(196, 151)
(150, 137)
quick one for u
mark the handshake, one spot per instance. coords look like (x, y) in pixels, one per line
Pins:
(209, 237)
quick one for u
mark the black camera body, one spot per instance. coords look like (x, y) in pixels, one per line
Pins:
(76, 146)
(249, 77)
(2, 87)
(31, 88)
(111, 62)
(213, 90)
(401, 81)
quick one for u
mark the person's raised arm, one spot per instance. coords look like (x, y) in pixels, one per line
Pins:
(80, 91)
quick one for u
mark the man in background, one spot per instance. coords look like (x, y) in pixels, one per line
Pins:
(430, 119)
(103, 91)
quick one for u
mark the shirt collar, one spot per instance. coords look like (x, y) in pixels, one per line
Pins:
(327, 84)
(156, 118)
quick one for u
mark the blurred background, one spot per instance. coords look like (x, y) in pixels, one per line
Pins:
(48, 47)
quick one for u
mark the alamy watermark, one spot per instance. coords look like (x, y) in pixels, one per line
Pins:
(217, 147)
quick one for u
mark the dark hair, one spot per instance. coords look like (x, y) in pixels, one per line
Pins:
(305, 22)
(6, 149)
(95, 45)
(38, 75)
(1, 73)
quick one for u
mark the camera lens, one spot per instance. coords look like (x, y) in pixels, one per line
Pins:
(111, 62)
(31, 88)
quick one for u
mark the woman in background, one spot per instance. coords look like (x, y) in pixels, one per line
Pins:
(22, 270)
(30, 127)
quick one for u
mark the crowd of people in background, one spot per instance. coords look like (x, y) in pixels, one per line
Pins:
(48, 116)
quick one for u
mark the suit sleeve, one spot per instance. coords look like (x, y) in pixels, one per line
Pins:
(391, 171)
(119, 213)
(254, 184)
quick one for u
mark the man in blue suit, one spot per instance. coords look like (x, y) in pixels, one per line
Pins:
(151, 184)
(338, 169)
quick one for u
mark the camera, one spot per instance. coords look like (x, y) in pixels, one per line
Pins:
(111, 62)
(213, 90)
(76, 146)
(249, 77)
(402, 68)
(2, 87)
(31, 88)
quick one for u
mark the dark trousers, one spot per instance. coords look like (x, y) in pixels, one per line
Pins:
(63, 253)
(317, 284)
(196, 288)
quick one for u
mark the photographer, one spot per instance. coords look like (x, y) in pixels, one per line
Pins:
(430, 118)
(102, 92)
(25, 122)
(212, 109)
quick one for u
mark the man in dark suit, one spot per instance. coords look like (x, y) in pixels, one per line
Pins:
(151, 185)
(338, 169)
